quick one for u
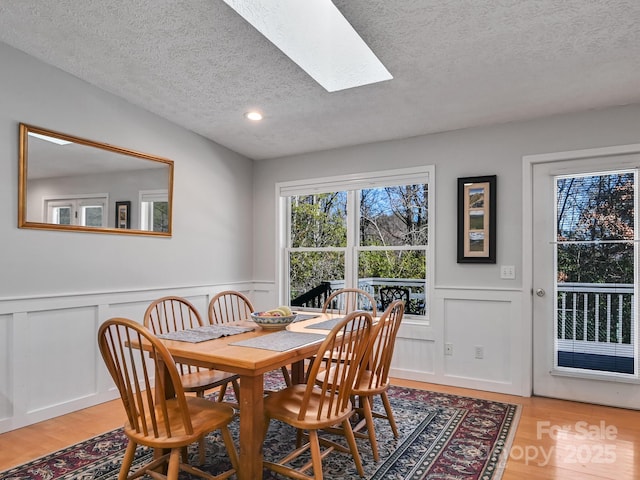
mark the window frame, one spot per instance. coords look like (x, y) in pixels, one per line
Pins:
(351, 183)
(146, 212)
(76, 203)
(595, 348)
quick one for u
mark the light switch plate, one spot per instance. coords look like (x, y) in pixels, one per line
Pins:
(508, 272)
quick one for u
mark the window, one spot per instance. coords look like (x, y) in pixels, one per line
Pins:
(370, 232)
(77, 210)
(154, 210)
(596, 274)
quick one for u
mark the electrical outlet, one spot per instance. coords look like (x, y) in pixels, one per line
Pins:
(508, 272)
(479, 351)
(448, 348)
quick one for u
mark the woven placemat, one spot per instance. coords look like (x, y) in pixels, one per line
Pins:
(281, 341)
(204, 333)
(326, 325)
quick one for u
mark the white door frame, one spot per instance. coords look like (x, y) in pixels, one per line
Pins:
(528, 161)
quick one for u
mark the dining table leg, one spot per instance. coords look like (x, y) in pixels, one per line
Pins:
(251, 426)
(297, 372)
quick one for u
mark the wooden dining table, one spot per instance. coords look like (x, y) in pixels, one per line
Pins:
(251, 364)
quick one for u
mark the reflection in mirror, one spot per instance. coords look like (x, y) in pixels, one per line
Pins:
(69, 183)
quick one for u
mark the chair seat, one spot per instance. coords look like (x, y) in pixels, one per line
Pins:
(284, 405)
(206, 379)
(365, 386)
(368, 385)
(206, 416)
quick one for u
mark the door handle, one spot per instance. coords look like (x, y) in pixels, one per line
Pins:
(540, 292)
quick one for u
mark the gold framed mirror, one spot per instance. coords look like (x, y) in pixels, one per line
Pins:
(74, 184)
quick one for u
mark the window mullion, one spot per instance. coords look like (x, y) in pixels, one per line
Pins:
(351, 257)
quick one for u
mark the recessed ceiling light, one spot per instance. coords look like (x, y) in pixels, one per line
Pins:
(316, 36)
(255, 116)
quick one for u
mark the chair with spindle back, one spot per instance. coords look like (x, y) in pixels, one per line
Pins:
(170, 314)
(310, 408)
(232, 306)
(153, 419)
(229, 306)
(374, 376)
(347, 300)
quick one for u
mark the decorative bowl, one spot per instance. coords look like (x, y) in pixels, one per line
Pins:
(272, 322)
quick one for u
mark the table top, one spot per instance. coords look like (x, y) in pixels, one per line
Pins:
(221, 353)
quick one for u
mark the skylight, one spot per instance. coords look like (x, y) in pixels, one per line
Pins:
(316, 36)
(55, 140)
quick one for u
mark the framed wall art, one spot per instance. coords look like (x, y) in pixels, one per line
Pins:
(123, 219)
(477, 219)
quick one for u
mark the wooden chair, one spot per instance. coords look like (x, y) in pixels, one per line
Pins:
(347, 300)
(231, 306)
(170, 314)
(342, 302)
(310, 408)
(388, 295)
(153, 419)
(374, 376)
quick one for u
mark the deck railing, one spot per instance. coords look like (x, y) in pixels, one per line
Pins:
(596, 318)
(416, 305)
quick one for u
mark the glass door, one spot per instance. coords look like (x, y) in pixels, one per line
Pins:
(585, 275)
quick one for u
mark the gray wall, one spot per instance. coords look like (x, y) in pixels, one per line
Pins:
(470, 304)
(212, 224)
(479, 151)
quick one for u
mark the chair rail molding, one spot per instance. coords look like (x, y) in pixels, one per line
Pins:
(62, 328)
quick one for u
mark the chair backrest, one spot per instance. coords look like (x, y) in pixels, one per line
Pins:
(379, 352)
(347, 343)
(390, 294)
(347, 300)
(172, 314)
(229, 306)
(131, 370)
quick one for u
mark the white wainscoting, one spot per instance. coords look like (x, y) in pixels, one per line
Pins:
(50, 363)
(467, 318)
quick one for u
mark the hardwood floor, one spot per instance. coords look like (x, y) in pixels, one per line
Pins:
(555, 439)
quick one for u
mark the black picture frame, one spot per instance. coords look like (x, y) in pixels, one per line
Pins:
(123, 214)
(477, 201)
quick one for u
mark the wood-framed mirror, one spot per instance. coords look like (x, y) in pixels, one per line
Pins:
(74, 184)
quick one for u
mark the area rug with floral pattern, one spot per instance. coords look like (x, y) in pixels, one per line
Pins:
(442, 437)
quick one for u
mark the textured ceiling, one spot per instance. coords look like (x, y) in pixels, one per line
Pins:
(455, 63)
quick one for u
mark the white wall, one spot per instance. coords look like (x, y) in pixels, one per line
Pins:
(57, 287)
(471, 304)
(212, 226)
